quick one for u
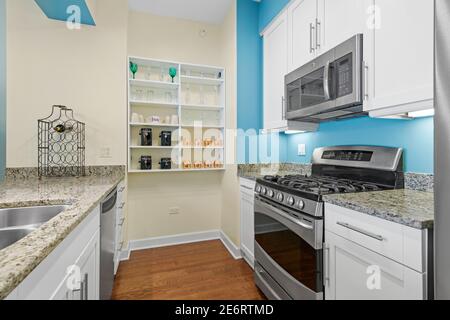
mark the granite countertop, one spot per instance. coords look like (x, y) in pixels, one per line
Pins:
(257, 175)
(407, 207)
(81, 194)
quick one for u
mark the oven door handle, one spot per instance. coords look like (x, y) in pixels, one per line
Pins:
(287, 216)
(326, 81)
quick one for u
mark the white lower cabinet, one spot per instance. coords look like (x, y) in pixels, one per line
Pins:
(247, 220)
(364, 259)
(120, 223)
(71, 271)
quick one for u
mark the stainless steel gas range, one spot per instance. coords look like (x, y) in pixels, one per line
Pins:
(289, 215)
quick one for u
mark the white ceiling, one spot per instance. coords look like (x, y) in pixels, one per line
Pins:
(209, 11)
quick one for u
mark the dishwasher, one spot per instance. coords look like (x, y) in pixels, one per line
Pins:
(107, 244)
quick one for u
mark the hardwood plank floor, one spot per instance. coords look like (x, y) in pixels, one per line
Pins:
(197, 271)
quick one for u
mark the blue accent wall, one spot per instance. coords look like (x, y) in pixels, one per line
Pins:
(2, 88)
(269, 9)
(415, 136)
(57, 10)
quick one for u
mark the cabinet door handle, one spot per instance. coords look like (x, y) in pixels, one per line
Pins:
(283, 111)
(121, 246)
(326, 265)
(318, 38)
(122, 205)
(366, 81)
(122, 189)
(248, 188)
(359, 230)
(122, 221)
(311, 36)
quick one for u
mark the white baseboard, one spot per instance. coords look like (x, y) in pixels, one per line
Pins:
(166, 241)
(157, 242)
(125, 253)
(232, 248)
(248, 256)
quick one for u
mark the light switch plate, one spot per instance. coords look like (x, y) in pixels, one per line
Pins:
(302, 149)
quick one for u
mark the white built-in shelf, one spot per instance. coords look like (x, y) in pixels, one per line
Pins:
(153, 103)
(163, 125)
(190, 78)
(175, 170)
(203, 148)
(154, 84)
(203, 126)
(201, 80)
(154, 147)
(201, 107)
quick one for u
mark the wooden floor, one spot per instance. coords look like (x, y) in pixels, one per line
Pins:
(197, 271)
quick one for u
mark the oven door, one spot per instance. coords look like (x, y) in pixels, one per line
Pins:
(288, 252)
(309, 89)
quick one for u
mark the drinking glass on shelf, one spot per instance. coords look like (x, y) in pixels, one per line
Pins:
(187, 94)
(148, 73)
(139, 94)
(169, 97)
(150, 95)
(201, 96)
(162, 75)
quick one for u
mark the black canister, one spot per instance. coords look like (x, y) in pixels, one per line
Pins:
(146, 136)
(146, 163)
(166, 138)
(166, 163)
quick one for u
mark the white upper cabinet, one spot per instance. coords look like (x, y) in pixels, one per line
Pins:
(338, 21)
(275, 69)
(302, 32)
(399, 57)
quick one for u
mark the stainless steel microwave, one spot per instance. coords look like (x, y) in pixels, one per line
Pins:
(329, 87)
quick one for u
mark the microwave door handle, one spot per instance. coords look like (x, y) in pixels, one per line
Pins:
(326, 81)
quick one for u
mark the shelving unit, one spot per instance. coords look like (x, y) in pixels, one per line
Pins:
(195, 99)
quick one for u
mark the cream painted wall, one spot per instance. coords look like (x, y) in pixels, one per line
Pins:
(230, 217)
(83, 69)
(198, 195)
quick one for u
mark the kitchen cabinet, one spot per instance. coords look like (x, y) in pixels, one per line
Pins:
(302, 32)
(338, 21)
(120, 223)
(52, 279)
(398, 54)
(247, 188)
(316, 26)
(275, 39)
(368, 258)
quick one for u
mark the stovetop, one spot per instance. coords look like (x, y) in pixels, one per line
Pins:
(323, 185)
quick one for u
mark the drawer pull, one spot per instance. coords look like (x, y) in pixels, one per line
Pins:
(364, 232)
(248, 188)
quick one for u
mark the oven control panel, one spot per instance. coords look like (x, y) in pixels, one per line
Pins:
(304, 205)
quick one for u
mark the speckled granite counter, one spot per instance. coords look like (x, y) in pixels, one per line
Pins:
(407, 207)
(255, 171)
(22, 190)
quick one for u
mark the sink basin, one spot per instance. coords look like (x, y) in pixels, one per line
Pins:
(17, 217)
(11, 236)
(17, 223)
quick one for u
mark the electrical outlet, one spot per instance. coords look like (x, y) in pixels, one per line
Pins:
(302, 150)
(105, 153)
(174, 210)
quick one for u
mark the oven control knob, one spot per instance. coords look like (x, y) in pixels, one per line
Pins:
(301, 204)
(264, 191)
(258, 189)
(271, 194)
(291, 201)
(280, 197)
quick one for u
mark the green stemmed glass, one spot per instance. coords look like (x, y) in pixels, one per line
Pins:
(173, 73)
(133, 69)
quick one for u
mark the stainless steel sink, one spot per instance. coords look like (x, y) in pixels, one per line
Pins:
(28, 216)
(17, 223)
(11, 236)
